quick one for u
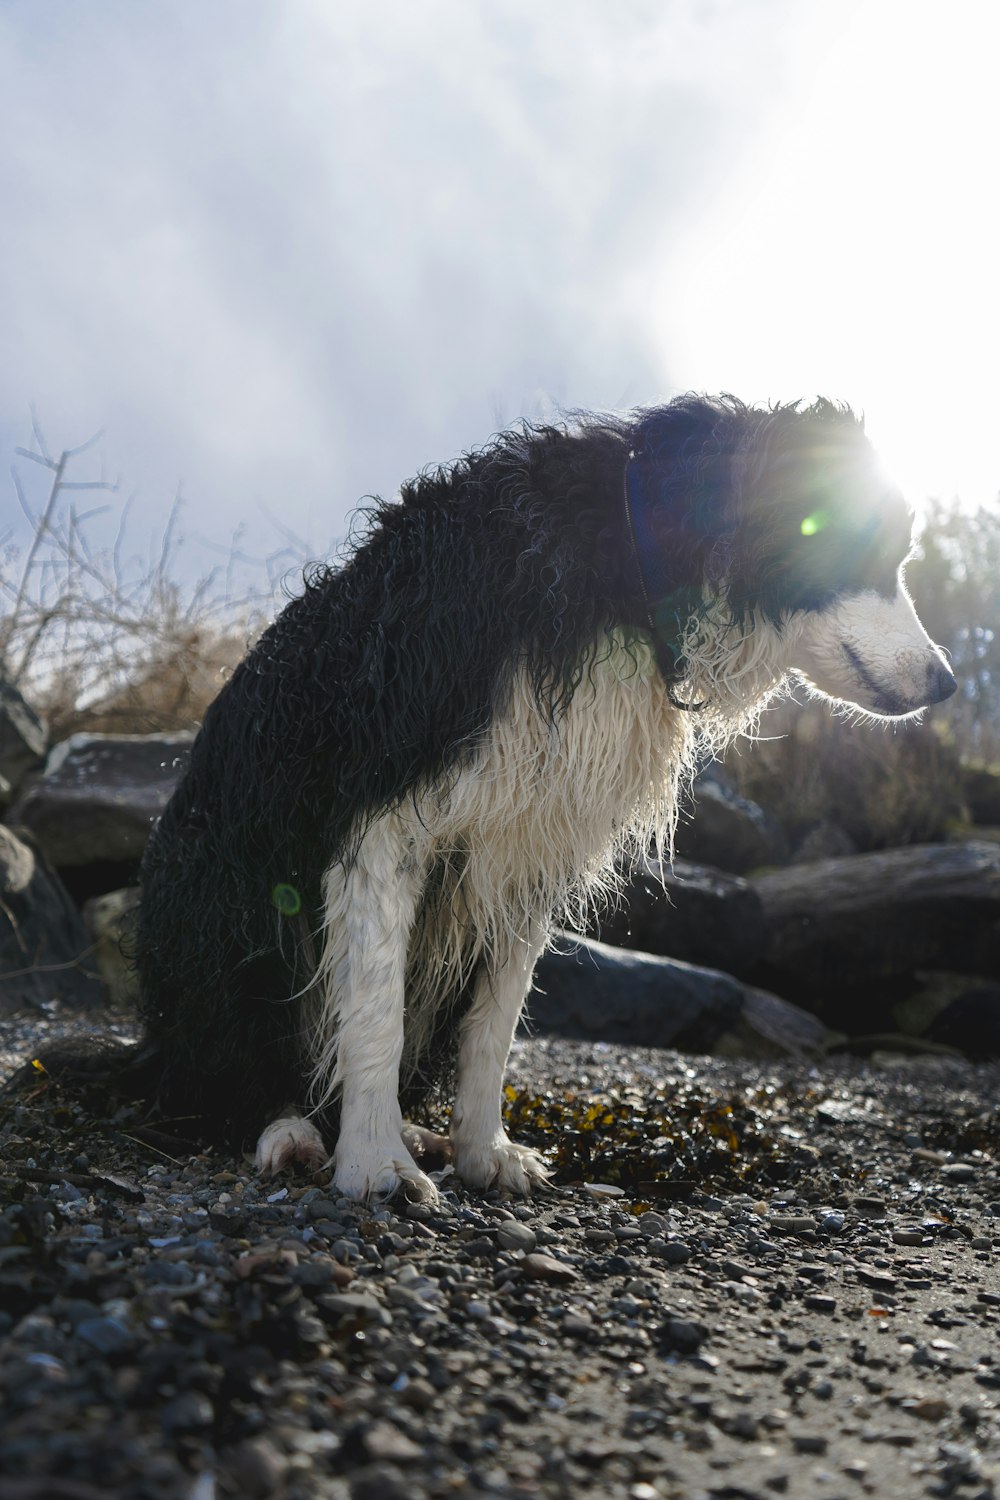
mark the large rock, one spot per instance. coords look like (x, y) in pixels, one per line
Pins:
(852, 933)
(110, 921)
(958, 1010)
(727, 830)
(45, 952)
(23, 739)
(100, 795)
(594, 992)
(690, 912)
(982, 794)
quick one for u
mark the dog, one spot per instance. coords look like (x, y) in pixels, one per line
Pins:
(454, 741)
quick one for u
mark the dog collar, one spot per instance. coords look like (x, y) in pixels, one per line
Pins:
(660, 602)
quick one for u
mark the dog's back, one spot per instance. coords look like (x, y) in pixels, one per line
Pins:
(382, 678)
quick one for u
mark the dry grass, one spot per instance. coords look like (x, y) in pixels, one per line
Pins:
(104, 639)
(884, 787)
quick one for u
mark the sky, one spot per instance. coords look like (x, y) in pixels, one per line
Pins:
(283, 255)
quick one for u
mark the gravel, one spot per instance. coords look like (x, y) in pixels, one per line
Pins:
(789, 1288)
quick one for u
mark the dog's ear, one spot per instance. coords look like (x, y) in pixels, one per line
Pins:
(681, 476)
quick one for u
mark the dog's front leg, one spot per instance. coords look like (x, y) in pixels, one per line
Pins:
(376, 904)
(485, 1156)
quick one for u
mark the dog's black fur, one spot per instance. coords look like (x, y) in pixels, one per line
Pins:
(387, 672)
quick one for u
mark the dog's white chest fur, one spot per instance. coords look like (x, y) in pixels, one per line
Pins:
(539, 815)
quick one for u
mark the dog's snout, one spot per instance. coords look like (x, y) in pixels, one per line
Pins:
(940, 682)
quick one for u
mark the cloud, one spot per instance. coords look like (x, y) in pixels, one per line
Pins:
(288, 253)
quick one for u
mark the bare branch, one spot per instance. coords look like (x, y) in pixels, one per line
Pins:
(39, 436)
(46, 462)
(74, 452)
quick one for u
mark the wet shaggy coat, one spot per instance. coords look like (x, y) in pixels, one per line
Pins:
(519, 564)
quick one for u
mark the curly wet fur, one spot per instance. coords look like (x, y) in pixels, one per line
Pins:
(465, 723)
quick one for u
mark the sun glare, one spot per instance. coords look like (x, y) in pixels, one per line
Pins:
(856, 254)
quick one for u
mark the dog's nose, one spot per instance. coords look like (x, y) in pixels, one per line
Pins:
(940, 682)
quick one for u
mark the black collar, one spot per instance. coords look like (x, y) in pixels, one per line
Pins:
(660, 603)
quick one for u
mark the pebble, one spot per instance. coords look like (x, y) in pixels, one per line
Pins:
(258, 1468)
(674, 1252)
(791, 1223)
(683, 1334)
(539, 1267)
(809, 1442)
(882, 1281)
(290, 1342)
(603, 1190)
(870, 1208)
(106, 1335)
(908, 1236)
(384, 1441)
(188, 1412)
(513, 1235)
(819, 1302)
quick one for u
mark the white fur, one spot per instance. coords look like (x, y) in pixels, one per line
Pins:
(532, 829)
(290, 1139)
(895, 653)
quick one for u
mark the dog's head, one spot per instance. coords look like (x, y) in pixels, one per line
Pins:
(832, 534)
(785, 520)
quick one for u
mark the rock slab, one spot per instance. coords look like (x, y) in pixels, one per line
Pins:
(44, 946)
(590, 991)
(100, 795)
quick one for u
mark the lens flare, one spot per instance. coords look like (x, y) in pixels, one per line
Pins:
(287, 899)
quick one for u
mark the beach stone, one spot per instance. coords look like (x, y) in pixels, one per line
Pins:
(44, 945)
(100, 794)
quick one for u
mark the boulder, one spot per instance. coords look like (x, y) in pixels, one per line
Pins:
(45, 952)
(852, 933)
(690, 912)
(23, 739)
(971, 1022)
(100, 795)
(824, 840)
(981, 788)
(727, 830)
(109, 920)
(588, 990)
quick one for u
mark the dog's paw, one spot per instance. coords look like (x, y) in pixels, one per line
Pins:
(500, 1164)
(289, 1140)
(382, 1174)
(424, 1144)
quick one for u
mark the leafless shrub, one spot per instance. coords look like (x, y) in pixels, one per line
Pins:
(98, 638)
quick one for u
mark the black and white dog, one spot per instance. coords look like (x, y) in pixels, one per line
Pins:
(454, 738)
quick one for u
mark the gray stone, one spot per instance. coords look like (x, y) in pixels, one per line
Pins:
(589, 990)
(691, 912)
(44, 947)
(727, 830)
(106, 1335)
(109, 920)
(100, 795)
(845, 935)
(514, 1236)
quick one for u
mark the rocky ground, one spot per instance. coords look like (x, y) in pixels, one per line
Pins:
(748, 1281)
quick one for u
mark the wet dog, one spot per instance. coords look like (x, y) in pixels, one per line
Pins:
(453, 739)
